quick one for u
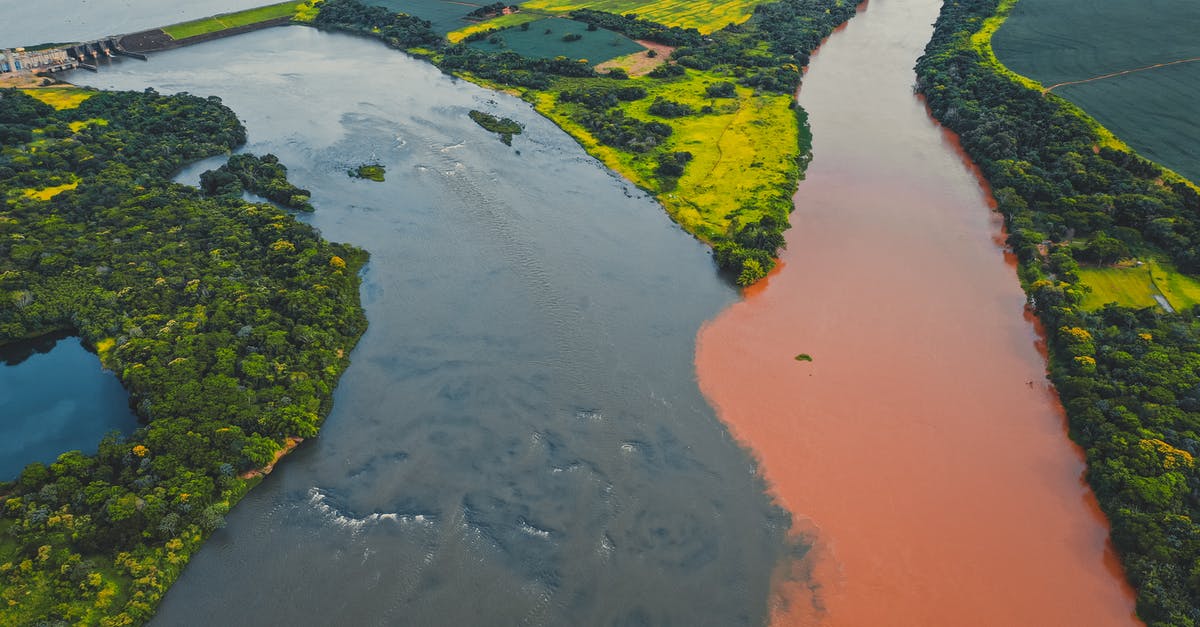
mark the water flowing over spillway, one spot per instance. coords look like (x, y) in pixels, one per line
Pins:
(922, 448)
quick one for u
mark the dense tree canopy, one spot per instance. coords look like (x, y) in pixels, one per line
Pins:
(228, 322)
(264, 176)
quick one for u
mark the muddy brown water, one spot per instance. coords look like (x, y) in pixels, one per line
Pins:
(922, 449)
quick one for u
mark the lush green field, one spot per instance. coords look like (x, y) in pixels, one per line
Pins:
(1055, 42)
(232, 20)
(61, 97)
(743, 153)
(703, 16)
(46, 193)
(82, 124)
(1136, 286)
(496, 23)
(544, 39)
(445, 16)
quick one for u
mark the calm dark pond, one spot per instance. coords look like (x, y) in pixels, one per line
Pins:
(55, 397)
(520, 439)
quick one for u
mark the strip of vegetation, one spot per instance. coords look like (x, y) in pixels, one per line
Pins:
(504, 127)
(228, 322)
(227, 21)
(1129, 378)
(60, 97)
(725, 102)
(264, 176)
(480, 30)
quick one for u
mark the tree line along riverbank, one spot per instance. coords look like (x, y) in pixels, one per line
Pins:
(228, 322)
(1128, 377)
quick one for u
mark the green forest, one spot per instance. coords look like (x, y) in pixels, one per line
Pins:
(1129, 378)
(228, 322)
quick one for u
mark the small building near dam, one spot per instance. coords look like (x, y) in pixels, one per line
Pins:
(49, 60)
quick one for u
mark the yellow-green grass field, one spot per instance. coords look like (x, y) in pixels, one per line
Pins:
(744, 153)
(499, 22)
(233, 20)
(79, 125)
(60, 97)
(49, 192)
(1136, 286)
(705, 17)
(307, 11)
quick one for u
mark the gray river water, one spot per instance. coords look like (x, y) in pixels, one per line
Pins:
(520, 438)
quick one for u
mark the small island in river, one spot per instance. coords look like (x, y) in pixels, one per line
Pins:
(504, 127)
(370, 171)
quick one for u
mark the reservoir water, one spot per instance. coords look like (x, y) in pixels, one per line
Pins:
(922, 448)
(520, 438)
(31, 23)
(55, 397)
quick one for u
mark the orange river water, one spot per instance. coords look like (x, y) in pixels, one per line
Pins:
(922, 451)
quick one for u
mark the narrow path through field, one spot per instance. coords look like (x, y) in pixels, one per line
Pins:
(1121, 73)
(721, 138)
(720, 151)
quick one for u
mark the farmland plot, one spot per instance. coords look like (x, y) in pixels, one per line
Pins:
(553, 37)
(1154, 112)
(1151, 107)
(444, 15)
(703, 16)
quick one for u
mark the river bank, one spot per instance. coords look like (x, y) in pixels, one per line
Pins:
(921, 450)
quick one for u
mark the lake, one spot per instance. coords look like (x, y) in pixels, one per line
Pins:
(55, 397)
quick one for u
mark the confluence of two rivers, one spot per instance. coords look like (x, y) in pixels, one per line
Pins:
(922, 449)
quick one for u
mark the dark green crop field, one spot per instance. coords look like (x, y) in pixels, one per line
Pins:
(445, 16)
(544, 39)
(1152, 110)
